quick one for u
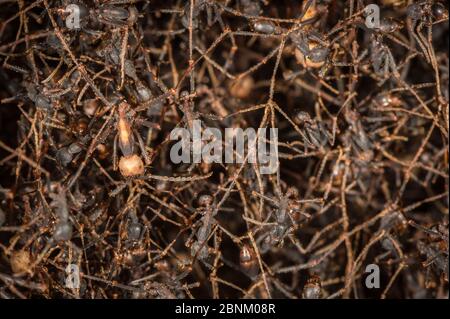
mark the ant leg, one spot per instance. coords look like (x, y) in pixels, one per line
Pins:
(15, 68)
(142, 147)
(148, 124)
(193, 233)
(415, 32)
(123, 53)
(115, 152)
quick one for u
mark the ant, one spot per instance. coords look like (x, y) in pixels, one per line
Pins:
(130, 164)
(212, 9)
(435, 248)
(287, 214)
(107, 14)
(311, 49)
(202, 229)
(63, 229)
(358, 140)
(315, 134)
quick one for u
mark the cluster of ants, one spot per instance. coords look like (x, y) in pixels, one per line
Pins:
(87, 181)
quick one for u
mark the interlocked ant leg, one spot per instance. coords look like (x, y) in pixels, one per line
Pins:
(142, 148)
(382, 58)
(415, 14)
(116, 137)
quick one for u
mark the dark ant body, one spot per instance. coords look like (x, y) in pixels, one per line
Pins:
(106, 14)
(313, 49)
(315, 135)
(199, 247)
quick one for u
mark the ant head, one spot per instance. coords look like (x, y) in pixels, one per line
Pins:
(123, 108)
(383, 100)
(204, 199)
(90, 106)
(415, 11)
(302, 117)
(80, 125)
(439, 11)
(312, 289)
(292, 192)
(184, 94)
(246, 254)
(248, 261)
